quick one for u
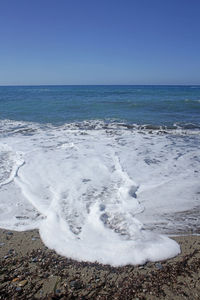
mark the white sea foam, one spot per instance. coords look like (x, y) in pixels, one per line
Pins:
(94, 193)
(10, 162)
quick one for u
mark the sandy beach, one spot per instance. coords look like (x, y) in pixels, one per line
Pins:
(29, 270)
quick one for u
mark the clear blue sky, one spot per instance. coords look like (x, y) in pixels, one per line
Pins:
(99, 42)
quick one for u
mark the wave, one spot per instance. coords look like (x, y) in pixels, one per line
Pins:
(94, 189)
(28, 128)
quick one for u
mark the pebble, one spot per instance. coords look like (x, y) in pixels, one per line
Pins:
(23, 283)
(75, 284)
(2, 244)
(9, 233)
(18, 289)
(15, 279)
(34, 259)
(11, 251)
(159, 266)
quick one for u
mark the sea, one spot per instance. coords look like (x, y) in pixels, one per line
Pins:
(106, 174)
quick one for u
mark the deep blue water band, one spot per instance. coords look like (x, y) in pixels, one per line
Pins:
(156, 105)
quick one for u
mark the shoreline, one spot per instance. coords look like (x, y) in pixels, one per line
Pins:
(29, 270)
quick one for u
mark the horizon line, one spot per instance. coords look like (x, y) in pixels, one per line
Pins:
(23, 85)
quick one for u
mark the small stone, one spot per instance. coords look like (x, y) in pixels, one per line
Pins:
(23, 283)
(34, 238)
(15, 279)
(2, 244)
(9, 233)
(27, 273)
(75, 284)
(159, 266)
(141, 267)
(18, 289)
(34, 259)
(11, 251)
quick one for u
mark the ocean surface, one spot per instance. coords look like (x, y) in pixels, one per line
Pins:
(105, 173)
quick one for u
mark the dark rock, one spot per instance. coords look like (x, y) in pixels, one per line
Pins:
(75, 284)
(58, 291)
(34, 259)
(9, 233)
(11, 251)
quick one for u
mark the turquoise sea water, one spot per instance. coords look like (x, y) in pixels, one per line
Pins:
(156, 105)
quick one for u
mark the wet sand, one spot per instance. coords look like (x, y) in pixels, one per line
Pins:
(29, 270)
